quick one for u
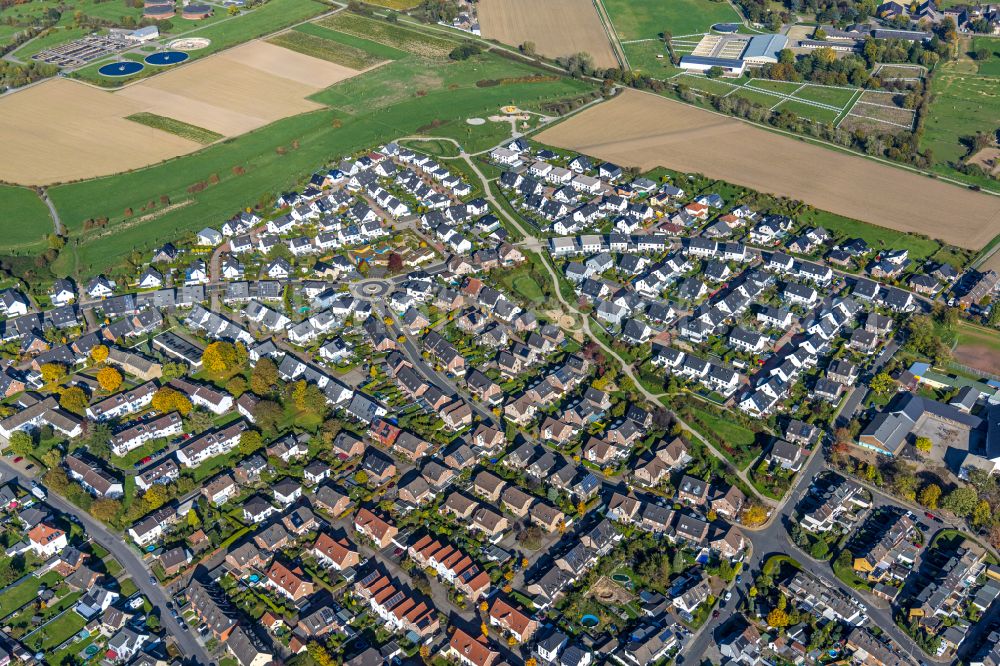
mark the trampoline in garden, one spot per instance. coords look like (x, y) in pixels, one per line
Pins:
(164, 58)
(123, 68)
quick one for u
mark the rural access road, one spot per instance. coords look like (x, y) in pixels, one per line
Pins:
(115, 544)
(53, 213)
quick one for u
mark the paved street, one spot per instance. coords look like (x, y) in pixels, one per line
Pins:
(115, 544)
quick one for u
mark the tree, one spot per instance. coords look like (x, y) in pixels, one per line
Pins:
(198, 421)
(983, 514)
(74, 400)
(167, 400)
(484, 606)
(193, 520)
(715, 72)
(21, 443)
(361, 477)
(173, 370)
(924, 445)
(777, 618)
(219, 357)
(531, 662)
(109, 378)
(105, 509)
(882, 383)
(820, 550)
(237, 386)
(465, 51)
(483, 629)
(250, 441)
(983, 54)
(961, 501)
(754, 515)
(528, 48)
(99, 353)
(264, 378)
(929, 495)
(267, 414)
(319, 654)
(52, 372)
(155, 497)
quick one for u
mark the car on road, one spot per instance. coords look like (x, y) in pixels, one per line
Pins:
(18, 459)
(30, 467)
(739, 578)
(146, 459)
(152, 579)
(729, 595)
(716, 613)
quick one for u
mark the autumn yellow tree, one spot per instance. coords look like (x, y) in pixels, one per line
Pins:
(52, 372)
(155, 497)
(777, 618)
(74, 400)
(105, 509)
(483, 606)
(484, 629)
(99, 353)
(219, 357)
(109, 378)
(167, 400)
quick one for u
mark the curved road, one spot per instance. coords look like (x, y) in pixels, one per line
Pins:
(115, 544)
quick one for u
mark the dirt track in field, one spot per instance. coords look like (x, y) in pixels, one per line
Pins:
(63, 130)
(638, 129)
(557, 27)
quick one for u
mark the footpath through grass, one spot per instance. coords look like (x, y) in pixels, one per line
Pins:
(178, 127)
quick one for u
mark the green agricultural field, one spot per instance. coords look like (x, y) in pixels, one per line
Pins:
(398, 36)
(326, 49)
(28, 220)
(809, 111)
(380, 51)
(833, 96)
(398, 5)
(634, 19)
(181, 129)
(406, 97)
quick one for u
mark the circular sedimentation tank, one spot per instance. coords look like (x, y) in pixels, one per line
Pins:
(164, 58)
(123, 68)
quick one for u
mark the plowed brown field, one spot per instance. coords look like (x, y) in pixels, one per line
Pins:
(557, 27)
(644, 130)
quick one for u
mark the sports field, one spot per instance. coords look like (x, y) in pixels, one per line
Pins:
(48, 140)
(978, 347)
(557, 27)
(817, 103)
(648, 131)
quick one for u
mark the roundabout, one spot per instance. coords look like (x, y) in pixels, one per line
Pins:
(373, 288)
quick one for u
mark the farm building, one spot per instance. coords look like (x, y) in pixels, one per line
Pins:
(734, 53)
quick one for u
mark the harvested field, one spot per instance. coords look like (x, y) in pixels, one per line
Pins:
(557, 27)
(62, 130)
(47, 139)
(648, 131)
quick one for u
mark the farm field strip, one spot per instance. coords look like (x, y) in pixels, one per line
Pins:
(218, 94)
(645, 130)
(558, 28)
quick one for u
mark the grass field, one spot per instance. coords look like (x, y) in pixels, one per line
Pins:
(808, 111)
(380, 51)
(396, 36)
(877, 237)
(326, 49)
(28, 220)
(410, 96)
(181, 129)
(833, 96)
(784, 87)
(434, 147)
(643, 20)
(963, 103)
(642, 57)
